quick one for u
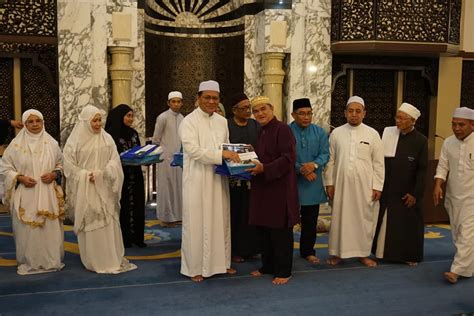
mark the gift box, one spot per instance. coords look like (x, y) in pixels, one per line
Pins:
(224, 171)
(141, 155)
(177, 160)
(246, 154)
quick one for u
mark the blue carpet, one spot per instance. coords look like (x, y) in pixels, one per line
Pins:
(157, 288)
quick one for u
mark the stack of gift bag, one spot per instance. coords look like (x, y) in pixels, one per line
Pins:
(142, 155)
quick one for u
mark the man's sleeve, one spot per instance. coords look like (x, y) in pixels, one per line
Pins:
(323, 156)
(159, 128)
(329, 171)
(378, 163)
(287, 148)
(443, 164)
(190, 140)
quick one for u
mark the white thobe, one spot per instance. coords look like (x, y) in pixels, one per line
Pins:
(457, 158)
(169, 204)
(355, 168)
(206, 211)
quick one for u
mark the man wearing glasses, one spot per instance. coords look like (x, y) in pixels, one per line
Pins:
(400, 229)
(312, 155)
(205, 247)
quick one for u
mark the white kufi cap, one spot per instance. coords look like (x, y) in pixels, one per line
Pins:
(410, 110)
(464, 113)
(209, 85)
(355, 99)
(175, 94)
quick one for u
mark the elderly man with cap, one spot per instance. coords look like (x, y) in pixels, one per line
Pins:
(242, 130)
(169, 204)
(400, 228)
(273, 196)
(312, 155)
(457, 158)
(354, 179)
(206, 243)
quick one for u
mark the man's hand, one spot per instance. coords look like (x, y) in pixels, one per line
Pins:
(311, 176)
(257, 169)
(376, 195)
(437, 194)
(437, 191)
(409, 199)
(330, 191)
(307, 168)
(231, 155)
(48, 177)
(16, 124)
(27, 181)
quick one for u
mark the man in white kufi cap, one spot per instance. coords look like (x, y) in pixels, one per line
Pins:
(400, 230)
(457, 159)
(169, 204)
(206, 246)
(354, 179)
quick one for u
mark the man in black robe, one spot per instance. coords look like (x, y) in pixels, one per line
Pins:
(242, 130)
(400, 229)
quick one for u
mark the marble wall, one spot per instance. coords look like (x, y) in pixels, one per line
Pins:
(311, 59)
(308, 61)
(84, 34)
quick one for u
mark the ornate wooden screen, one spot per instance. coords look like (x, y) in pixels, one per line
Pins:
(28, 31)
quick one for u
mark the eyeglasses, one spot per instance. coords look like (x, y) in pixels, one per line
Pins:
(244, 108)
(209, 98)
(304, 113)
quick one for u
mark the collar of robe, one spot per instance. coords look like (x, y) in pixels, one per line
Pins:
(272, 122)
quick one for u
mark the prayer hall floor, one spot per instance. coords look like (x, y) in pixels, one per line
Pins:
(157, 288)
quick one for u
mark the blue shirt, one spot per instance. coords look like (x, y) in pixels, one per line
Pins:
(312, 145)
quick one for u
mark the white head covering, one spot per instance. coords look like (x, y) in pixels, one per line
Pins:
(410, 110)
(82, 132)
(464, 113)
(209, 85)
(27, 114)
(33, 139)
(356, 99)
(175, 94)
(87, 152)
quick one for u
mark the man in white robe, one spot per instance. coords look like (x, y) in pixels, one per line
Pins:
(169, 204)
(206, 248)
(354, 179)
(457, 158)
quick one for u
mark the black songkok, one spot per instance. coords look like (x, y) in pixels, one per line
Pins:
(301, 103)
(236, 98)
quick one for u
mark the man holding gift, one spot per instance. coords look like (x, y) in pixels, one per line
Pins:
(206, 244)
(273, 196)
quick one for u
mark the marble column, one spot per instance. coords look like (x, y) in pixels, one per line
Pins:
(121, 73)
(273, 75)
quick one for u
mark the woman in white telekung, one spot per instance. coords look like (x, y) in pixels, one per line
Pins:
(32, 165)
(94, 184)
